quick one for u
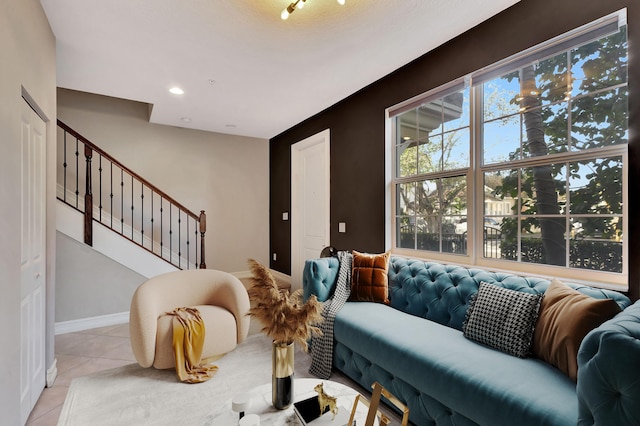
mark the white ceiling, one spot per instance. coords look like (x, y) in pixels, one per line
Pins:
(245, 71)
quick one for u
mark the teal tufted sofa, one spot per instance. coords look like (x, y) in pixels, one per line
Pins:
(416, 349)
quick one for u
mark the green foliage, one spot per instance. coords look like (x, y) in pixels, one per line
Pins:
(595, 255)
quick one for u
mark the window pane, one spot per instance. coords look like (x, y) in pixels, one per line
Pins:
(456, 149)
(431, 208)
(543, 189)
(551, 80)
(543, 241)
(501, 96)
(454, 211)
(600, 64)
(492, 237)
(429, 155)
(555, 122)
(501, 191)
(406, 127)
(601, 119)
(427, 200)
(429, 118)
(596, 186)
(407, 159)
(454, 196)
(453, 242)
(590, 248)
(405, 219)
(502, 140)
(456, 110)
(429, 233)
(405, 199)
(405, 232)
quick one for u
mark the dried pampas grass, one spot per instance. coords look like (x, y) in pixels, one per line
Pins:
(284, 317)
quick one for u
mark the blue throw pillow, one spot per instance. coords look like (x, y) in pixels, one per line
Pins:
(503, 319)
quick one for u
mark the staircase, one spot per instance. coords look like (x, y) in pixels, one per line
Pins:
(118, 207)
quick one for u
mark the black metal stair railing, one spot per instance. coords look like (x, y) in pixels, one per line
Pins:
(126, 203)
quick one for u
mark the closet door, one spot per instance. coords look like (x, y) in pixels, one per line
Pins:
(33, 291)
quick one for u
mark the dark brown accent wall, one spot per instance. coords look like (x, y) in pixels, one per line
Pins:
(357, 122)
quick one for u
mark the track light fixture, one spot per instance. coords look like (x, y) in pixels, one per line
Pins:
(298, 4)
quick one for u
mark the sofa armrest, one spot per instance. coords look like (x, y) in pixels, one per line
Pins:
(319, 277)
(609, 372)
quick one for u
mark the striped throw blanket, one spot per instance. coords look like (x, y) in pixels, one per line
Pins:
(322, 346)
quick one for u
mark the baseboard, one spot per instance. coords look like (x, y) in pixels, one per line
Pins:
(277, 275)
(282, 277)
(92, 322)
(52, 373)
(242, 274)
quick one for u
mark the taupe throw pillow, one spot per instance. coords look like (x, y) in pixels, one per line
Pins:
(566, 316)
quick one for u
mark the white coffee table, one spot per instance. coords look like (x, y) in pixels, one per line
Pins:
(269, 416)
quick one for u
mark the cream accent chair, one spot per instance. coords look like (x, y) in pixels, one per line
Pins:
(219, 296)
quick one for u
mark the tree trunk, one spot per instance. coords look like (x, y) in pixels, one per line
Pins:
(546, 199)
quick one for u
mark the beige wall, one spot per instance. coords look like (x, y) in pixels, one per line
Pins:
(27, 49)
(225, 175)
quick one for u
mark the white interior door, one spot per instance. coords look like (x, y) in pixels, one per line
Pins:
(310, 205)
(32, 307)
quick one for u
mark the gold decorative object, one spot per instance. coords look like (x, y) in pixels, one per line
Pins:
(326, 401)
(379, 391)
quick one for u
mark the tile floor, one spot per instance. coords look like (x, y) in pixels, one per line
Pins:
(79, 354)
(83, 353)
(90, 351)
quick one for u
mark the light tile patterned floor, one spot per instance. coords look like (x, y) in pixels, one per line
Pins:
(79, 354)
(90, 351)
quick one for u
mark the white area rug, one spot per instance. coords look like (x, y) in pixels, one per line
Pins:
(132, 395)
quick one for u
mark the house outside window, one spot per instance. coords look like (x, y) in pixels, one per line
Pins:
(521, 165)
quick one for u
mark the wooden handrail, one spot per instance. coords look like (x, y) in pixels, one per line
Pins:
(125, 168)
(199, 220)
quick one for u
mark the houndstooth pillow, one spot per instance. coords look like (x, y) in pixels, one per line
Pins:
(503, 319)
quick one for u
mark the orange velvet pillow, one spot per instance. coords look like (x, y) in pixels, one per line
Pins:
(565, 318)
(369, 280)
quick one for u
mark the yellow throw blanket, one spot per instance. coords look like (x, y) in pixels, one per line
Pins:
(188, 340)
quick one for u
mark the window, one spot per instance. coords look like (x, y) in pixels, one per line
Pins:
(432, 159)
(539, 141)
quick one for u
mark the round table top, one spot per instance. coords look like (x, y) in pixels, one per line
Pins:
(260, 403)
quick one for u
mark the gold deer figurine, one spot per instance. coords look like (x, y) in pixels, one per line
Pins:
(326, 401)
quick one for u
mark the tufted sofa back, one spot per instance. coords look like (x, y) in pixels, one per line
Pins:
(435, 291)
(441, 292)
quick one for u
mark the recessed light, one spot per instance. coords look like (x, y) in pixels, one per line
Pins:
(176, 91)
(186, 119)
